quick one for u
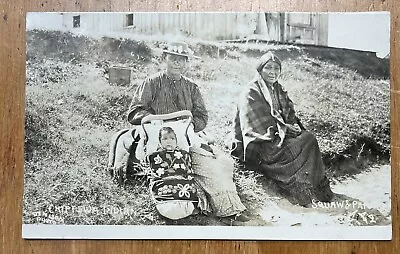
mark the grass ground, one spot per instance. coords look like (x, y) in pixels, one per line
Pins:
(72, 112)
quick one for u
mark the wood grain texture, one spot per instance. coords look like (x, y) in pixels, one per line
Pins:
(12, 95)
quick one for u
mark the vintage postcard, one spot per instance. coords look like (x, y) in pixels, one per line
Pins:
(248, 125)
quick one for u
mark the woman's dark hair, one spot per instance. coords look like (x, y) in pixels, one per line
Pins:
(166, 129)
(269, 56)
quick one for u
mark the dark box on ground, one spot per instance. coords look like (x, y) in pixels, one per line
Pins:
(119, 75)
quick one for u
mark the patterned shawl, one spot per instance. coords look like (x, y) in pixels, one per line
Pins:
(258, 120)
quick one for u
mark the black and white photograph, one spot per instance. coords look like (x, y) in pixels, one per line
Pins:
(203, 125)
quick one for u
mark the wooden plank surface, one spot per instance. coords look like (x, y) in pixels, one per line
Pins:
(12, 95)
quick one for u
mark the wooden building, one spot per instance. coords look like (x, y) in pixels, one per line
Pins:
(308, 28)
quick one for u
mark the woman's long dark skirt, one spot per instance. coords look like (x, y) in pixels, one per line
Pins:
(297, 168)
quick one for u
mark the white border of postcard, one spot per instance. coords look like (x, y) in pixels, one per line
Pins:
(206, 232)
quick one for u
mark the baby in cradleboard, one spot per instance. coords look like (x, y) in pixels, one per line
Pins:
(172, 185)
(176, 161)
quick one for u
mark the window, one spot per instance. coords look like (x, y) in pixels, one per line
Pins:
(129, 20)
(76, 21)
(300, 19)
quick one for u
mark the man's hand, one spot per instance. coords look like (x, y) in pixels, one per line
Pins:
(292, 130)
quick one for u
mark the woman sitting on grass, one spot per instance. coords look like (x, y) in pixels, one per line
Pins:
(168, 92)
(268, 138)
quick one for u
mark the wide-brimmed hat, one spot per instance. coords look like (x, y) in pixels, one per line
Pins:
(180, 49)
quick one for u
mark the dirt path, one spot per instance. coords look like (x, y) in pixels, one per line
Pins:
(363, 200)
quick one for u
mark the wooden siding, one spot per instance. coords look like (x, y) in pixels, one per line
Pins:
(284, 27)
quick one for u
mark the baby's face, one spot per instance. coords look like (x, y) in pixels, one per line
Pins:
(168, 141)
